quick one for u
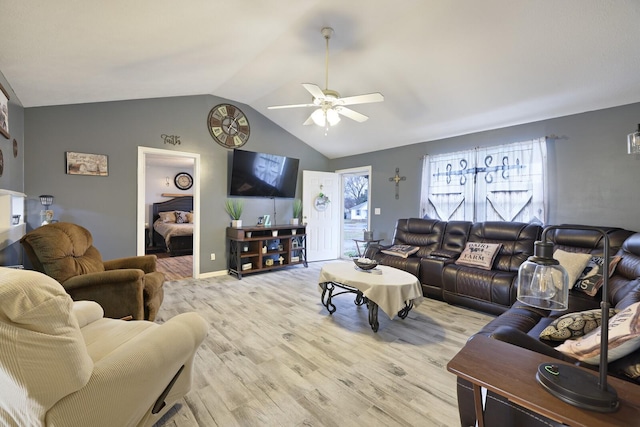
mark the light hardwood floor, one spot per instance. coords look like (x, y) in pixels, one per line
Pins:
(275, 357)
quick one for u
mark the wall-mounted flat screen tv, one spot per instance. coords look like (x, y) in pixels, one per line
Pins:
(263, 175)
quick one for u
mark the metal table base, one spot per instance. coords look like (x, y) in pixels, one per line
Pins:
(328, 289)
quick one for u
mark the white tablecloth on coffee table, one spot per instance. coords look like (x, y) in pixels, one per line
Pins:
(390, 290)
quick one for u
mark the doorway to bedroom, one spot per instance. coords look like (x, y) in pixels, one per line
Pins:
(168, 186)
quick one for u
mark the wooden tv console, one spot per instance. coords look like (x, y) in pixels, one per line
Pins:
(258, 249)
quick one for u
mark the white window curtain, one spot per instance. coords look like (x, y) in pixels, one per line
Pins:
(501, 183)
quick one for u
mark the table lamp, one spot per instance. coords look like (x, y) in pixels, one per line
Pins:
(543, 283)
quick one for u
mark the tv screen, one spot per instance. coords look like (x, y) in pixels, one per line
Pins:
(263, 175)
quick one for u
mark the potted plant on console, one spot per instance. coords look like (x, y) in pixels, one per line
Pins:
(234, 209)
(297, 210)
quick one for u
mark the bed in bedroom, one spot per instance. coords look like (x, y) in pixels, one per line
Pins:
(173, 225)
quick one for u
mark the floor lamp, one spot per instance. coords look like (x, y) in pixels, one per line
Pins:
(543, 283)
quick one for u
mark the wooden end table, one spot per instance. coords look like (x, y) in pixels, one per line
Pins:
(510, 371)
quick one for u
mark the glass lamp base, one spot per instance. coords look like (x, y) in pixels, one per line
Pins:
(577, 387)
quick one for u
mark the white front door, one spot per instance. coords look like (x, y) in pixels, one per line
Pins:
(323, 219)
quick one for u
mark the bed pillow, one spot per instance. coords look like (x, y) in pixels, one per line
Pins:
(624, 338)
(479, 255)
(574, 325)
(181, 217)
(573, 262)
(590, 280)
(167, 216)
(401, 250)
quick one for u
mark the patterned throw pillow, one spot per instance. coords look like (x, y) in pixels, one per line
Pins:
(401, 250)
(479, 255)
(590, 280)
(573, 325)
(624, 338)
(181, 217)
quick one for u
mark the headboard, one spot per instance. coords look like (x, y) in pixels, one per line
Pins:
(184, 203)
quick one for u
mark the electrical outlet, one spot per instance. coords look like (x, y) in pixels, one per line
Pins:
(376, 211)
(213, 257)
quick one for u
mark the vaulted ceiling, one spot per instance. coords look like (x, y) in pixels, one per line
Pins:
(445, 67)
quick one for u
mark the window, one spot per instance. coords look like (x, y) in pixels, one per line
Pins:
(502, 183)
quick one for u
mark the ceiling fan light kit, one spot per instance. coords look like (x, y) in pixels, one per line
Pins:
(328, 102)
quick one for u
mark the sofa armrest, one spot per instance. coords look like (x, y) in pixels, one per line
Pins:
(119, 292)
(373, 249)
(146, 263)
(87, 312)
(517, 337)
(125, 383)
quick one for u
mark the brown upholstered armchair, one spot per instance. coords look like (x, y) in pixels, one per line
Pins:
(123, 287)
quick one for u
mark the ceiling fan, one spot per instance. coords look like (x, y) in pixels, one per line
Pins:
(330, 106)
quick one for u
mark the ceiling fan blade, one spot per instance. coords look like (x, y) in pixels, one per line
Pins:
(314, 90)
(361, 99)
(276, 107)
(353, 115)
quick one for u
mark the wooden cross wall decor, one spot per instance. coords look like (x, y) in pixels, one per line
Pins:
(397, 178)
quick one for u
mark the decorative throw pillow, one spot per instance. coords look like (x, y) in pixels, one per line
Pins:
(590, 280)
(573, 325)
(401, 250)
(573, 262)
(181, 217)
(624, 338)
(167, 216)
(190, 217)
(479, 255)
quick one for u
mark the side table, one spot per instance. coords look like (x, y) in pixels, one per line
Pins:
(366, 244)
(510, 371)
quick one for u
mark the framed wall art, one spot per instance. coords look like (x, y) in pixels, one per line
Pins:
(87, 164)
(4, 112)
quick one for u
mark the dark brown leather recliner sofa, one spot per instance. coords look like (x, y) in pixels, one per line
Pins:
(488, 290)
(441, 242)
(521, 325)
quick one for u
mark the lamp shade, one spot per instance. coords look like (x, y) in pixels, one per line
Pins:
(46, 200)
(542, 281)
(322, 116)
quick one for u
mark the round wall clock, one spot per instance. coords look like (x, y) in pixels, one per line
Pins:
(183, 181)
(228, 126)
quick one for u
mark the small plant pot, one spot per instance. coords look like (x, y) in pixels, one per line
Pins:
(236, 223)
(274, 233)
(293, 232)
(294, 221)
(249, 233)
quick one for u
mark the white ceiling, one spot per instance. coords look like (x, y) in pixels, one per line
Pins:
(445, 67)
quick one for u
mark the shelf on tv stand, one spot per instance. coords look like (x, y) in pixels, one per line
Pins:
(292, 238)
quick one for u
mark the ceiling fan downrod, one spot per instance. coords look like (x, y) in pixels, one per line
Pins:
(327, 32)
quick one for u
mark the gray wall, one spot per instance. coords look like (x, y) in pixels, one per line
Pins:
(13, 175)
(107, 205)
(593, 180)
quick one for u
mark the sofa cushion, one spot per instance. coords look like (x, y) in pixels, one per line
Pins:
(573, 325)
(624, 338)
(63, 250)
(479, 255)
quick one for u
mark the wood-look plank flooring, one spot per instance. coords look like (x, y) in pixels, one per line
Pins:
(175, 268)
(275, 357)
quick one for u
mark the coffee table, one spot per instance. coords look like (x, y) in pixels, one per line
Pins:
(392, 290)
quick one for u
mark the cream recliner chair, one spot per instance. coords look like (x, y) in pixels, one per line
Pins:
(63, 364)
